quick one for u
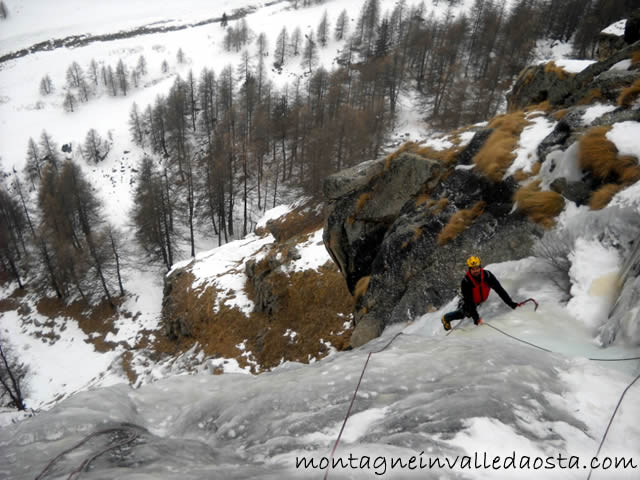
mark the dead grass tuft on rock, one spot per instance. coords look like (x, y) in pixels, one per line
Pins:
(540, 207)
(591, 96)
(602, 196)
(361, 287)
(496, 155)
(521, 175)
(560, 72)
(459, 222)
(599, 155)
(629, 94)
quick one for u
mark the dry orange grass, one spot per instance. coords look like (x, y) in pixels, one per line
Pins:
(629, 94)
(560, 114)
(591, 96)
(459, 222)
(96, 321)
(597, 153)
(496, 155)
(405, 147)
(562, 74)
(127, 357)
(447, 156)
(628, 169)
(521, 175)
(422, 199)
(362, 201)
(314, 304)
(540, 207)
(600, 156)
(361, 287)
(438, 206)
(601, 197)
(544, 107)
(302, 220)
(434, 206)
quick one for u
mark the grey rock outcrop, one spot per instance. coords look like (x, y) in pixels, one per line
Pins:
(365, 201)
(537, 83)
(386, 228)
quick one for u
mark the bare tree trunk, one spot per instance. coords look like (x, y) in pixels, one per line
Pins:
(14, 270)
(275, 181)
(48, 264)
(14, 390)
(117, 257)
(245, 193)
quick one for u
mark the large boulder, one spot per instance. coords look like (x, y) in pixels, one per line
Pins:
(611, 39)
(365, 201)
(539, 83)
(384, 233)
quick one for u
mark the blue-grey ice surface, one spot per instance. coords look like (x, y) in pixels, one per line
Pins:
(426, 396)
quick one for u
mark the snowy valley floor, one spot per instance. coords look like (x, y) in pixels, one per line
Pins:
(428, 395)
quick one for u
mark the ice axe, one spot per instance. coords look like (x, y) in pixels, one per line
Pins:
(529, 300)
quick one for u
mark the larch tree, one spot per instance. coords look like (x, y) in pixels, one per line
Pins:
(296, 38)
(136, 126)
(322, 32)
(281, 50)
(309, 53)
(13, 376)
(341, 29)
(96, 148)
(123, 77)
(46, 85)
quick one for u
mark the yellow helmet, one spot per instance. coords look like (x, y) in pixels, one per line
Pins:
(473, 261)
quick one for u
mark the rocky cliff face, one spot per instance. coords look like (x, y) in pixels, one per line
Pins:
(385, 228)
(546, 82)
(400, 228)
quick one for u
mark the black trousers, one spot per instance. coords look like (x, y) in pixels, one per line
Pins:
(456, 315)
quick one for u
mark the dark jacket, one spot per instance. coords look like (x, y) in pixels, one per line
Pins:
(482, 286)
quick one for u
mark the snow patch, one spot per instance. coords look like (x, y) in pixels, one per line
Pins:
(532, 135)
(596, 111)
(616, 29)
(573, 66)
(626, 137)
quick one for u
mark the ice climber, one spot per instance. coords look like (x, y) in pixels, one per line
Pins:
(475, 288)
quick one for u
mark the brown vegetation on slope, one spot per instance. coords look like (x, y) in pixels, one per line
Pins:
(459, 222)
(598, 155)
(541, 207)
(496, 155)
(629, 94)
